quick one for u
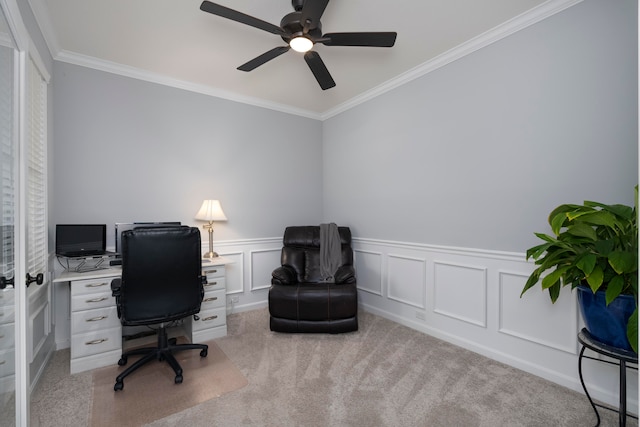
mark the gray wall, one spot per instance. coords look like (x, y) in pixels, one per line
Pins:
(474, 154)
(477, 153)
(128, 150)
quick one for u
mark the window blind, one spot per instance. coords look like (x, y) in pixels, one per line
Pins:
(7, 162)
(36, 170)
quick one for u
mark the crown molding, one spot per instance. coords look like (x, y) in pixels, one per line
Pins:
(140, 74)
(514, 25)
(41, 13)
(489, 37)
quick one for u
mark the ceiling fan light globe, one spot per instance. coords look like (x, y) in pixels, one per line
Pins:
(301, 44)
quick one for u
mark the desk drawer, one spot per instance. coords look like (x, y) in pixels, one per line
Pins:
(213, 299)
(210, 318)
(212, 272)
(94, 320)
(214, 283)
(91, 301)
(90, 286)
(96, 342)
(7, 336)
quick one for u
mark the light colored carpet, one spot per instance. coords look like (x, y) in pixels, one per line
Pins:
(150, 392)
(383, 375)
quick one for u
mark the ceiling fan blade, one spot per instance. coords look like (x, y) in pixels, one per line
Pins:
(312, 12)
(234, 15)
(265, 57)
(319, 70)
(381, 39)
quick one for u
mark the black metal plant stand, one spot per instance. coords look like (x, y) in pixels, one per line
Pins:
(623, 357)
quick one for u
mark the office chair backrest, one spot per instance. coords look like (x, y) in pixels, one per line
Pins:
(161, 274)
(301, 251)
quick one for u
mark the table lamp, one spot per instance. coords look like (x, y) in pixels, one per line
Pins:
(210, 211)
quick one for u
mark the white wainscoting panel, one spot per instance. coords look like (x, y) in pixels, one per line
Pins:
(234, 272)
(263, 262)
(533, 318)
(471, 298)
(406, 280)
(249, 277)
(369, 271)
(460, 292)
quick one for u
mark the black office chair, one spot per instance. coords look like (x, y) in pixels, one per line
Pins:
(161, 282)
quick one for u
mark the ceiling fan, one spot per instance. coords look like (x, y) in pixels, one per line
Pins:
(301, 30)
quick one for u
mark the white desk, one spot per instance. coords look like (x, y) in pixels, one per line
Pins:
(96, 331)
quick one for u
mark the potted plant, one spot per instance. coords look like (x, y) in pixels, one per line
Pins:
(594, 248)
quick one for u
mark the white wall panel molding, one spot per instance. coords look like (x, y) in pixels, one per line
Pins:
(369, 274)
(234, 272)
(406, 280)
(532, 317)
(471, 298)
(460, 292)
(263, 261)
(249, 277)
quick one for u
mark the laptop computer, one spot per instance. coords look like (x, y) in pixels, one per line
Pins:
(81, 240)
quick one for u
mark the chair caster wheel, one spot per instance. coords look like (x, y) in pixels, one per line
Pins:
(119, 386)
(173, 341)
(203, 353)
(178, 379)
(122, 361)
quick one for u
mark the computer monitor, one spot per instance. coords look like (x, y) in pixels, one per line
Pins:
(75, 239)
(124, 226)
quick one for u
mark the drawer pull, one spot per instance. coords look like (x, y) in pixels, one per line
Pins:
(1, 336)
(97, 299)
(98, 341)
(95, 285)
(211, 284)
(2, 362)
(212, 271)
(210, 299)
(210, 318)
(96, 319)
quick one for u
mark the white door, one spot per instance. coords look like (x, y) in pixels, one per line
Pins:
(25, 318)
(8, 229)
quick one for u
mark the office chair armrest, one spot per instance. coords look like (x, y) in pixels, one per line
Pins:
(115, 287)
(345, 274)
(116, 284)
(203, 281)
(283, 275)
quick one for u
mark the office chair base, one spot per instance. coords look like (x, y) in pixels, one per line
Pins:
(163, 352)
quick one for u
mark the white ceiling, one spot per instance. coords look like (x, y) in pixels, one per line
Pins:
(173, 42)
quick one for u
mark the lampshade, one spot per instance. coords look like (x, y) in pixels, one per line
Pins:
(211, 211)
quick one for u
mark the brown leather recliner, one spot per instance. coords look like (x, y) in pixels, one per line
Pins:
(299, 299)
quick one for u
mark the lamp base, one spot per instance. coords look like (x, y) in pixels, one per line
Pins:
(210, 255)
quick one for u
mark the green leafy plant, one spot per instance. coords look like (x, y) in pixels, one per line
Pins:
(593, 244)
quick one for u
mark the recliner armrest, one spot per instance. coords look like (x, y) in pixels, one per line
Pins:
(345, 274)
(283, 275)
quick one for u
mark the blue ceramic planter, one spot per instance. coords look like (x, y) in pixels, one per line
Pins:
(608, 324)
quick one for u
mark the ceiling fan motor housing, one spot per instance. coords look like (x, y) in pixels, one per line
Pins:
(292, 24)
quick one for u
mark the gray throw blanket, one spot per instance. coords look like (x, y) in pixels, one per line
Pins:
(330, 251)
